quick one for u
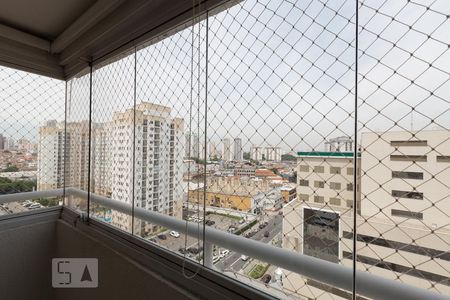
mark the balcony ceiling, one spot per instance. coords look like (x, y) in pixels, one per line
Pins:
(58, 38)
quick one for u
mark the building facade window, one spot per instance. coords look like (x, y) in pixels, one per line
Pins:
(407, 194)
(319, 169)
(304, 168)
(406, 214)
(407, 175)
(349, 171)
(335, 170)
(409, 143)
(443, 158)
(408, 157)
(319, 184)
(335, 201)
(319, 199)
(335, 185)
(303, 197)
(304, 182)
(349, 186)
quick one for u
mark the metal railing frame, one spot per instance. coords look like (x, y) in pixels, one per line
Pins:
(368, 285)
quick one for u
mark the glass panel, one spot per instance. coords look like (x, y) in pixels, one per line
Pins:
(31, 137)
(404, 124)
(77, 139)
(171, 133)
(280, 91)
(113, 162)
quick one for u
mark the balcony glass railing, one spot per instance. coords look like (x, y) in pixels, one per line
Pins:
(293, 125)
(323, 272)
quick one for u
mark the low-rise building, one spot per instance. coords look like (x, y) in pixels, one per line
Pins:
(288, 192)
(230, 192)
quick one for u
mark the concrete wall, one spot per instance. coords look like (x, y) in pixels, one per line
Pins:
(26, 253)
(119, 277)
(128, 269)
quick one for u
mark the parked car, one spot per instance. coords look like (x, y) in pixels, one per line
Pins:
(194, 250)
(34, 206)
(216, 259)
(241, 221)
(224, 253)
(262, 225)
(153, 240)
(210, 222)
(162, 236)
(231, 228)
(244, 257)
(182, 250)
(250, 234)
(175, 234)
(266, 234)
(27, 203)
(266, 278)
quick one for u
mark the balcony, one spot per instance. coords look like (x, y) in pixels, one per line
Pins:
(299, 149)
(61, 232)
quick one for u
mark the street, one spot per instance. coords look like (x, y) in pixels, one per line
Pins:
(233, 260)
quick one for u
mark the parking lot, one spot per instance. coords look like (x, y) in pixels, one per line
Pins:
(14, 207)
(215, 220)
(178, 244)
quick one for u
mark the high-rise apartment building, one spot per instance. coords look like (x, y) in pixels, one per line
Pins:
(238, 153)
(196, 151)
(2, 142)
(157, 166)
(273, 153)
(9, 143)
(63, 157)
(212, 150)
(268, 153)
(340, 144)
(187, 143)
(77, 155)
(256, 153)
(50, 168)
(226, 150)
(402, 225)
(152, 175)
(104, 148)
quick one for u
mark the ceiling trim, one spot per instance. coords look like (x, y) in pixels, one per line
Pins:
(88, 19)
(107, 29)
(24, 38)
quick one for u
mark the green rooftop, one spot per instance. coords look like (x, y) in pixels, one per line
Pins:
(327, 154)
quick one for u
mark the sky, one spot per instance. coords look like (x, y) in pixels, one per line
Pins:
(280, 73)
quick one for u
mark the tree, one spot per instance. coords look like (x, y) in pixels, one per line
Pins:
(246, 155)
(288, 157)
(48, 202)
(7, 186)
(10, 168)
(198, 160)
